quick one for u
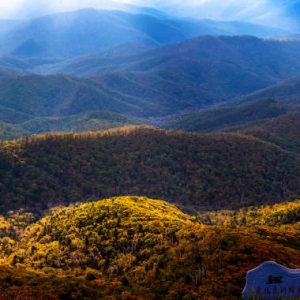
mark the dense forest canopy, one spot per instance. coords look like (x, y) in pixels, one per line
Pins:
(136, 247)
(193, 170)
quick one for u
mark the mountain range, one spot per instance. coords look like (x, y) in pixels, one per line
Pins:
(70, 34)
(133, 80)
(146, 156)
(132, 61)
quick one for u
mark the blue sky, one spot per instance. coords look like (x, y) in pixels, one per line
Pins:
(268, 12)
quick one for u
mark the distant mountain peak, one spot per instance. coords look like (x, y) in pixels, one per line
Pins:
(28, 48)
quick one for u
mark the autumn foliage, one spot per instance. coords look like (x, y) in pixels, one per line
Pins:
(138, 248)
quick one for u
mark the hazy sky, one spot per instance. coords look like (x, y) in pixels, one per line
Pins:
(269, 12)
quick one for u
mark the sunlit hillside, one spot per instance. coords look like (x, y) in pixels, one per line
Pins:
(138, 248)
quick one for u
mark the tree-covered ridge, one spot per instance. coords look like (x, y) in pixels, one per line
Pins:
(266, 119)
(192, 170)
(282, 131)
(162, 82)
(62, 95)
(90, 121)
(106, 249)
(276, 215)
(286, 92)
(111, 228)
(138, 248)
(227, 118)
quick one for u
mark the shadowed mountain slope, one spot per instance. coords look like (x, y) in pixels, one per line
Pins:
(76, 33)
(282, 131)
(226, 118)
(235, 51)
(14, 64)
(195, 74)
(286, 92)
(84, 31)
(56, 96)
(202, 71)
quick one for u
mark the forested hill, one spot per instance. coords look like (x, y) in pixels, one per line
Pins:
(282, 131)
(192, 170)
(227, 118)
(140, 248)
